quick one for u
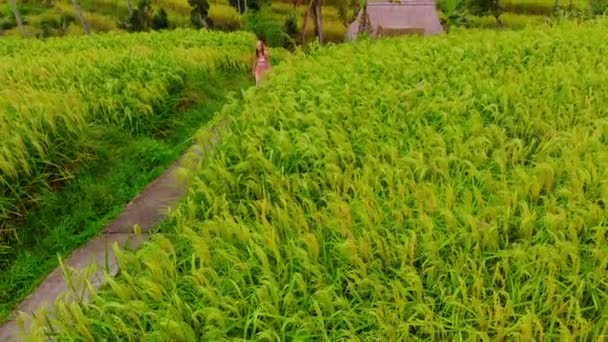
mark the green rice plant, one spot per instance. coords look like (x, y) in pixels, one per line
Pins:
(99, 22)
(512, 21)
(542, 6)
(225, 18)
(54, 92)
(445, 188)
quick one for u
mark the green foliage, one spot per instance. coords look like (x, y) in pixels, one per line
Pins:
(7, 21)
(483, 7)
(225, 18)
(290, 27)
(160, 21)
(454, 14)
(140, 19)
(199, 13)
(438, 189)
(599, 7)
(56, 26)
(265, 27)
(257, 5)
(348, 10)
(66, 85)
(239, 5)
(124, 164)
(543, 7)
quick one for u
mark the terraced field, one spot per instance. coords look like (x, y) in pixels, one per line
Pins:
(439, 189)
(86, 123)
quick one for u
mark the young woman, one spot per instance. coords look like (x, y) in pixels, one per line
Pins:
(261, 62)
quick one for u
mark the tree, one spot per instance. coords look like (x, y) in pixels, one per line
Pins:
(314, 10)
(318, 15)
(160, 21)
(256, 5)
(598, 7)
(454, 13)
(364, 23)
(83, 21)
(240, 5)
(199, 13)
(484, 7)
(18, 18)
(130, 8)
(346, 6)
(53, 26)
(140, 18)
(290, 27)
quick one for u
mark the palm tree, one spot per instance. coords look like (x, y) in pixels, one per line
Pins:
(83, 21)
(18, 18)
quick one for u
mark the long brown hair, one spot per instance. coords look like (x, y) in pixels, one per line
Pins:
(257, 51)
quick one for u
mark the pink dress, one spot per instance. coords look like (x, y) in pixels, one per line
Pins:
(261, 64)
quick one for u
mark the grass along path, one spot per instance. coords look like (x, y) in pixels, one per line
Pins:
(87, 268)
(124, 164)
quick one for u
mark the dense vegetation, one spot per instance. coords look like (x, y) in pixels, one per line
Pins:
(58, 18)
(448, 188)
(86, 123)
(279, 22)
(48, 102)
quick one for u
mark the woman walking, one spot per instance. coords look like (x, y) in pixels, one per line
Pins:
(261, 62)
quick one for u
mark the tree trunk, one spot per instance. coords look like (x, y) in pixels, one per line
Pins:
(497, 13)
(499, 22)
(130, 8)
(364, 21)
(18, 18)
(202, 20)
(305, 25)
(83, 21)
(319, 20)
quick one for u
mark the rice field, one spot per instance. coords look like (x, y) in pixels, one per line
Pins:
(447, 188)
(512, 21)
(54, 92)
(542, 6)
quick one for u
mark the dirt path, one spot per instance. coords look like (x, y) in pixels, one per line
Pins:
(147, 210)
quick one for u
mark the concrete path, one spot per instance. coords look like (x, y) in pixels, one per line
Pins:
(146, 210)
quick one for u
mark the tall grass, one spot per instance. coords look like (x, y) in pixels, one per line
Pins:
(451, 188)
(509, 20)
(52, 91)
(542, 6)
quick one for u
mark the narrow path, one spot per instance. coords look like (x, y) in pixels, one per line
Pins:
(147, 210)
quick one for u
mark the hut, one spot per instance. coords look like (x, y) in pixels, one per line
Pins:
(397, 18)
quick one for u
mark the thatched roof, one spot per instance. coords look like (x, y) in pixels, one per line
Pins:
(405, 17)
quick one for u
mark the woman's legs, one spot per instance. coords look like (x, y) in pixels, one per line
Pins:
(259, 75)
